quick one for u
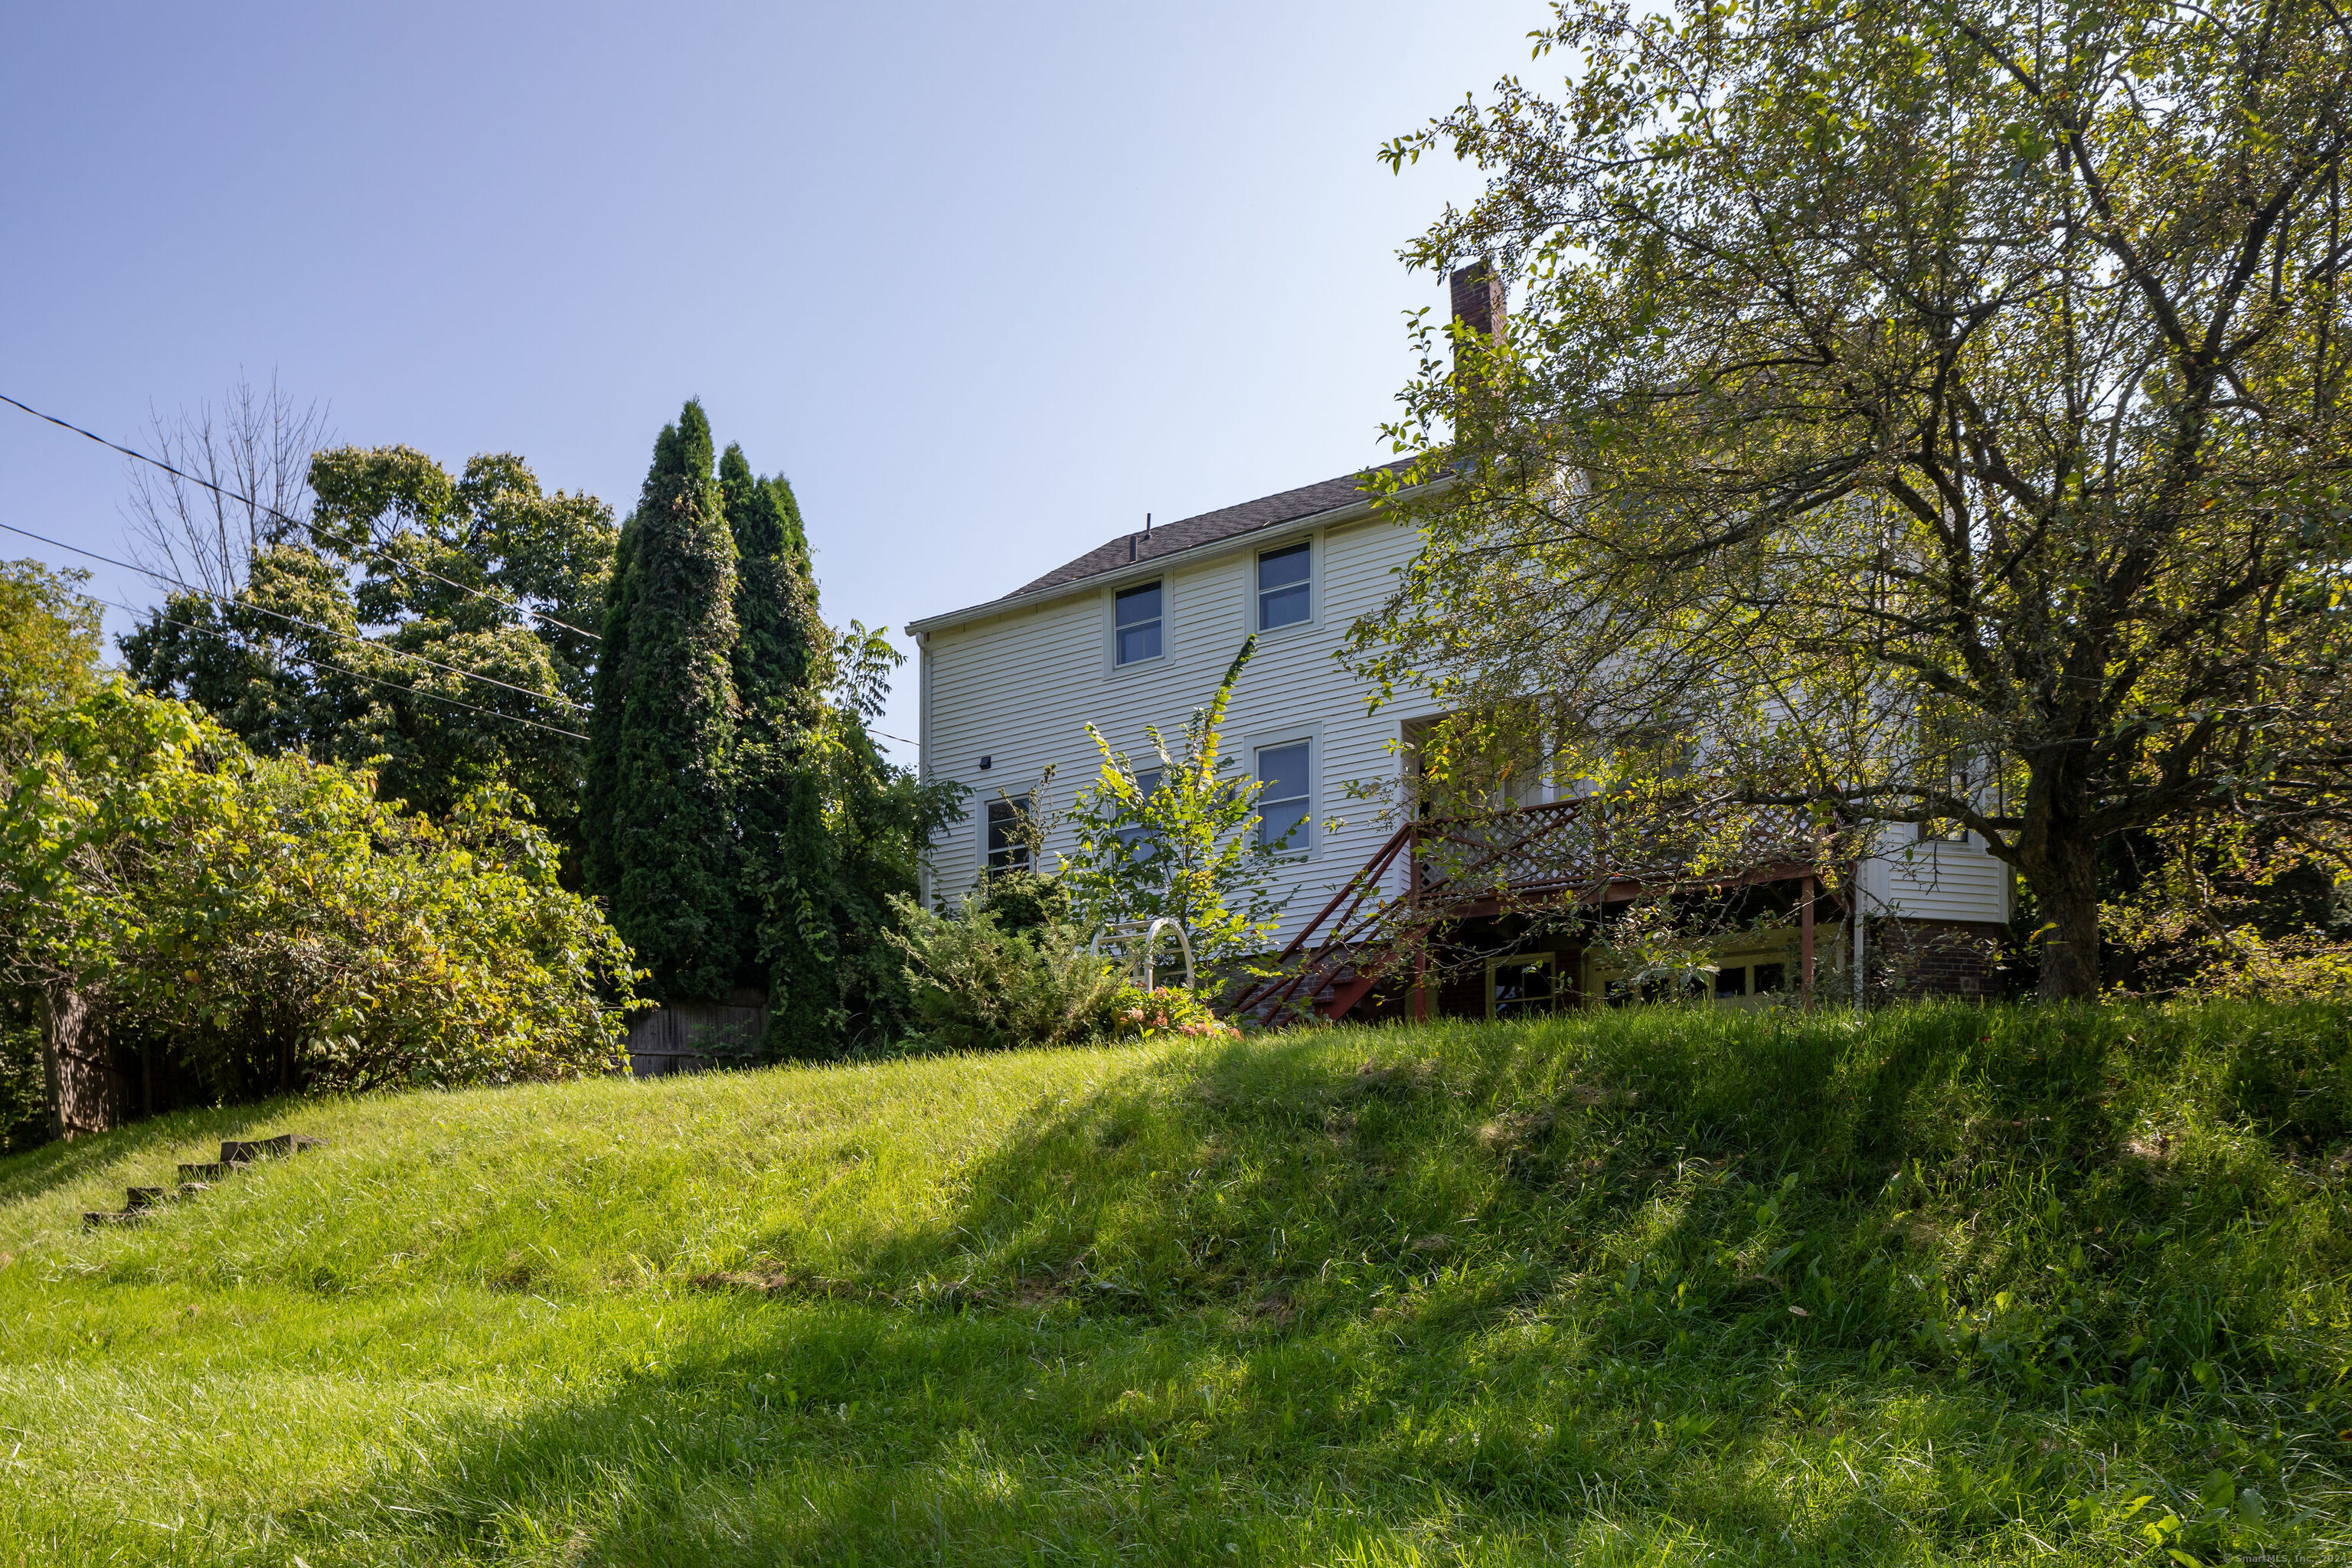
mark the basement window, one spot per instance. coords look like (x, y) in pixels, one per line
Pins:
(1523, 987)
(1136, 624)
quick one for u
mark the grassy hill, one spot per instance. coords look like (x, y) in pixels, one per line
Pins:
(1929, 1286)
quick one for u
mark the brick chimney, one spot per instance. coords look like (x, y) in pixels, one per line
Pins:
(1478, 298)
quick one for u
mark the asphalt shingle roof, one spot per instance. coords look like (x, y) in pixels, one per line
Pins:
(1209, 528)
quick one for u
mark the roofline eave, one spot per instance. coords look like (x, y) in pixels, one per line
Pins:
(1143, 570)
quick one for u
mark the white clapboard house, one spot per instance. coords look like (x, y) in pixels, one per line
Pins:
(1138, 632)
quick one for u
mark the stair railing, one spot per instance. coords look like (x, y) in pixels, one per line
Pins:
(1346, 924)
(1143, 963)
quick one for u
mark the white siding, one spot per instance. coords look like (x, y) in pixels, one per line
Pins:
(1020, 688)
(1934, 881)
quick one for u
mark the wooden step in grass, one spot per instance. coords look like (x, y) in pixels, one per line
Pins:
(247, 1151)
(141, 1202)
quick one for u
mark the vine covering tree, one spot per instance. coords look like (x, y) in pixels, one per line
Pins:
(786, 871)
(1929, 412)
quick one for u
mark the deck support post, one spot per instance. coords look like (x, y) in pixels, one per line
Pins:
(1805, 948)
(1421, 939)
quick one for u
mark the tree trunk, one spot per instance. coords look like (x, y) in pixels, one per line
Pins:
(2065, 883)
(78, 1060)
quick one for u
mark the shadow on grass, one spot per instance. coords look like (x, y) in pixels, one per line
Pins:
(62, 1163)
(843, 1433)
(1612, 1290)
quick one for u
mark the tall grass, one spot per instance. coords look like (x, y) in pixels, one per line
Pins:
(1919, 1286)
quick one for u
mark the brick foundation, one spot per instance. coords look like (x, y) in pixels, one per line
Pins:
(1936, 958)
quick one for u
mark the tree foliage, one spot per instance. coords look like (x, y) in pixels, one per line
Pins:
(781, 653)
(1187, 848)
(360, 641)
(660, 824)
(49, 661)
(49, 650)
(743, 823)
(1929, 412)
(274, 925)
(880, 820)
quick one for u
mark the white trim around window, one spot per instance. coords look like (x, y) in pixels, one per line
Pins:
(1307, 845)
(1258, 595)
(1128, 601)
(993, 819)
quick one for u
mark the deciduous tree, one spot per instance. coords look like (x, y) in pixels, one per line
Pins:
(237, 485)
(1933, 412)
(273, 925)
(433, 625)
(49, 650)
(1186, 846)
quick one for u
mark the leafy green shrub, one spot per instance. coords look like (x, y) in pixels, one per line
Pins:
(277, 927)
(1025, 902)
(1187, 847)
(979, 987)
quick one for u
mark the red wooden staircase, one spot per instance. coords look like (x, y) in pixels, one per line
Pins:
(1558, 851)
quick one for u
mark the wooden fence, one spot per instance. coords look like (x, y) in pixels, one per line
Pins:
(695, 1036)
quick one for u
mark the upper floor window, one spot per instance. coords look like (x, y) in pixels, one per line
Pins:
(1282, 803)
(1136, 621)
(1008, 834)
(1285, 593)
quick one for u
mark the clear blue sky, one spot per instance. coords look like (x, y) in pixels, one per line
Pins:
(988, 283)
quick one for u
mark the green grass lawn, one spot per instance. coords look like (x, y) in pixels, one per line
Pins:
(1942, 1285)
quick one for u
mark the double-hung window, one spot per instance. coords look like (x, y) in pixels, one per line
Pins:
(1147, 785)
(1008, 834)
(1283, 800)
(1136, 623)
(1286, 589)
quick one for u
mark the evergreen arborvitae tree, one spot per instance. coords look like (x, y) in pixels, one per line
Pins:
(599, 869)
(785, 868)
(660, 817)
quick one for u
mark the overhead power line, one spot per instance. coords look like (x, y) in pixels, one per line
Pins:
(291, 620)
(356, 675)
(332, 632)
(310, 529)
